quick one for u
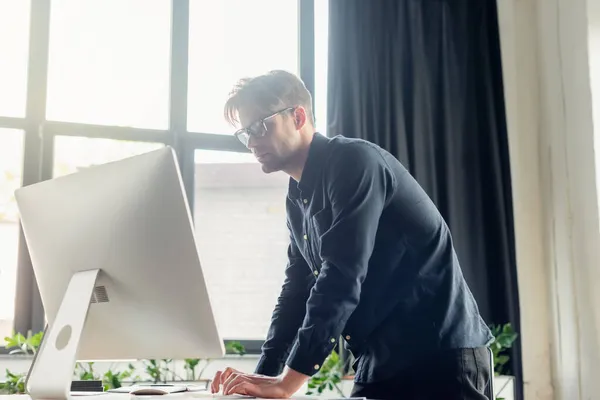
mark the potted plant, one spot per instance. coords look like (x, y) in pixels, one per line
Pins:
(112, 377)
(19, 345)
(504, 338)
(329, 378)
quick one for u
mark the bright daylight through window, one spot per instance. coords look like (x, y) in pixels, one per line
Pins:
(11, 161)
(246, 40)
(113, 73)
(107, 75)
(14, 36)
(72, 154)
(243, 237)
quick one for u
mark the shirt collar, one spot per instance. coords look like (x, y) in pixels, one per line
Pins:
(312, 168)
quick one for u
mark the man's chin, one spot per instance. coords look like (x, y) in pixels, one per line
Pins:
(268, 168)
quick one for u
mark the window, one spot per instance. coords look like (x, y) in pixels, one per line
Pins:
(109, 62)
(71, 154)
(109, 71)
(232, 39)
(321, 51)
(11, 162)
(14, 37)
(242, 239)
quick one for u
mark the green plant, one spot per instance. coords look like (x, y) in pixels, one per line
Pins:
(160, 371)
(85, 372)
(14, 384)
(190, 366)
(329, 376)
(110, 380)
(114, 379)
(235, 348)
(156, 370)
(23, 345)
(504, 336)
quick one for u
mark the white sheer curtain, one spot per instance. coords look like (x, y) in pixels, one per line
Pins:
(549, 62)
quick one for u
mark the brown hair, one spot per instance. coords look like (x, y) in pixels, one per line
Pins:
(266, 94)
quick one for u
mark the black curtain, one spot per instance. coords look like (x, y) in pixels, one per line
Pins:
(423, 79)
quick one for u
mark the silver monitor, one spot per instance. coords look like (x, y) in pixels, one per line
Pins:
(117, 267)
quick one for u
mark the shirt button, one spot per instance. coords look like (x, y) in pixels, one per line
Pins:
(316, 273)
(305, 237)
(305, 201)
(317, 366)
(347, 337)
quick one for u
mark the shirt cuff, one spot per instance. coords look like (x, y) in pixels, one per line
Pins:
(309, 360)
(269, 366)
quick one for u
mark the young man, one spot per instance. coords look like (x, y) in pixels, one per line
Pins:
(370, 259)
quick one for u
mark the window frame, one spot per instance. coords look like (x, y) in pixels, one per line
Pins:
(40, 134)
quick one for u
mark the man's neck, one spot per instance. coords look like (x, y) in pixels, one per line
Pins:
(297, 163)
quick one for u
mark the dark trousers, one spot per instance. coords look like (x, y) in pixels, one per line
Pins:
(462, 374)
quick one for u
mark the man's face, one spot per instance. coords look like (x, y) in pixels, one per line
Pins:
(280, 140)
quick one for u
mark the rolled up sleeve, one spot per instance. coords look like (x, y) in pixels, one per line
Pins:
(359, 184)
(288, 314)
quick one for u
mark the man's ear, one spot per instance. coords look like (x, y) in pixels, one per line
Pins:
(300, 117)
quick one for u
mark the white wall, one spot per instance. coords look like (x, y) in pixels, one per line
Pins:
(546, 63)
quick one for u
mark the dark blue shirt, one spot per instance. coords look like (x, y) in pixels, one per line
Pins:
(370, 259)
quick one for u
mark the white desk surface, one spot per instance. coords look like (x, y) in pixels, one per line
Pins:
(125, 396)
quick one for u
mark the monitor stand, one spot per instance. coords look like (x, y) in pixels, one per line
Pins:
(52, 368)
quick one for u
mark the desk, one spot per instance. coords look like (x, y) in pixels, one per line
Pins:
(126, 396)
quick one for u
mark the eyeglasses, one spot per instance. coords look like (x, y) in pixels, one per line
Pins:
(258, 128)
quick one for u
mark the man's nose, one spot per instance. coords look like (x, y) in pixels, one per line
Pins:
(251, 142)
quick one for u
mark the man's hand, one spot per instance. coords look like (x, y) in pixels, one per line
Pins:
(278, 387)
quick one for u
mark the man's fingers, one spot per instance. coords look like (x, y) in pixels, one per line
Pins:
(216, 382)
(233, 380)
(221, 377)
(229, 378)
(243, 387)
(227, 373)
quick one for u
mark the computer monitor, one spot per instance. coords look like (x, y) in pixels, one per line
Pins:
(117, 266)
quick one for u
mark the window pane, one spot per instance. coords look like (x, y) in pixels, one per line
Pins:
(232, 39)
(242, 238)
(109, 62)
(321, 50)
(14, 47)
(71, 154)
(11, 164)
